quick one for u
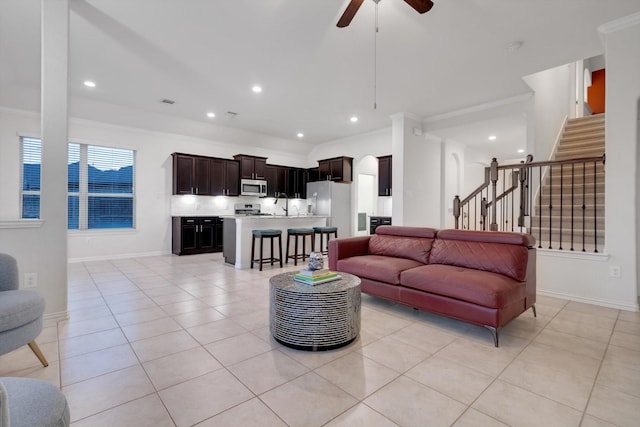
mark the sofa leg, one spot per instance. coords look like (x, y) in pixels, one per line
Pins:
(533, 307)
(34, 347)
(494, 332)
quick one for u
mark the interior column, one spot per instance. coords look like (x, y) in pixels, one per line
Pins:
(417, 166)
(54, 117)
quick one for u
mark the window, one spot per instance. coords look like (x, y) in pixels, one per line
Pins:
(100, 185)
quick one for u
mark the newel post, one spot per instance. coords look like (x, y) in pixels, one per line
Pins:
(483, 213)
(456, 210)
(493, 176)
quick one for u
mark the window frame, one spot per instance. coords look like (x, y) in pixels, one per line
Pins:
(83, 194)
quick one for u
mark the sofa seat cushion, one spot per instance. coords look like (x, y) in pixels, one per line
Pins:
(484, 288)
(377, 267)
(18, 308)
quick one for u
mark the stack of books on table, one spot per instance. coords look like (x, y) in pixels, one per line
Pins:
(315, 277)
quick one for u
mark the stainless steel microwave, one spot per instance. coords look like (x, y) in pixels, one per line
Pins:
(253, 187)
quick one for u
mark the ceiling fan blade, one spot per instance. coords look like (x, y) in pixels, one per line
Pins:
(421, 6)
(349, 13)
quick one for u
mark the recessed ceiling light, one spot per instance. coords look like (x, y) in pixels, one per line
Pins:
(492, 137)
(300, 135)
(256, 89)
(353, 119)
(211, 115)
(89, 83)
(521, 150)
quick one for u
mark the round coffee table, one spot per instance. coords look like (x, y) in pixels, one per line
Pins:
(315, 317)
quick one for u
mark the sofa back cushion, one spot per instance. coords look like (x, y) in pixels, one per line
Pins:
(403, 242)
(503, 253)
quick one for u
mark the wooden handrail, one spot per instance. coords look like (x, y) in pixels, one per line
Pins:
(555, 162)
(496, 213)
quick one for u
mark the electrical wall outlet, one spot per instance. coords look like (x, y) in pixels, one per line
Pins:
(30, 280)
(614, 271)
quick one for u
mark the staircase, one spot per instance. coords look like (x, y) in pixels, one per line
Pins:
(568, 219)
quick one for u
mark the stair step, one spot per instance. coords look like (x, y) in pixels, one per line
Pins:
(575, 154)
(582, 140)
(590, 242)
(596, 118)
(566, 222)
(564, 186)
(595, 129)
(578, 192)
(566, 210)
(589, 235)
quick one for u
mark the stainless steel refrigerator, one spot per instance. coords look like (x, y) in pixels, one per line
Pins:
(334, 200)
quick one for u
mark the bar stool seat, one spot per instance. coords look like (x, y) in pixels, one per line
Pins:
(296, 233)
(325, 231)
(271, 235)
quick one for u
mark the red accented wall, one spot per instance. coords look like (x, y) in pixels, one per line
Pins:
(595, 93)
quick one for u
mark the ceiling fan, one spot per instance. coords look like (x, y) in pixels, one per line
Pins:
(421, 6)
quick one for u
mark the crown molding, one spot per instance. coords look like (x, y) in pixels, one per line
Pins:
(480, 107)
(619, 24)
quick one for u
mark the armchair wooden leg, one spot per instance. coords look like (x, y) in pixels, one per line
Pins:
(34, 347)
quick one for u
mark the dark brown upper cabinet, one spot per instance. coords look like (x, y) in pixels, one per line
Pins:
(252, 167)
(276, 180)
(225, 177)
(297, 183)
(191, 174)
(337, 169)
(385, 176)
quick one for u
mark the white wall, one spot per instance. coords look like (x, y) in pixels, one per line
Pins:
(621, 179)
(375, 144)
(553, 91)
(453, 178)
(417, 174)
(474, 165)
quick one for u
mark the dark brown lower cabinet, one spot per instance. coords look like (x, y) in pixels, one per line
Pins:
(196, 235)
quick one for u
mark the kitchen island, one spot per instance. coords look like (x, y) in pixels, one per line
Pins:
(237, 234)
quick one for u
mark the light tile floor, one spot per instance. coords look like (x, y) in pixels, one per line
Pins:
(181, 341)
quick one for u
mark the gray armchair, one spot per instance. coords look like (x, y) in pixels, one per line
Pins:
(25, 402)
(20, 311)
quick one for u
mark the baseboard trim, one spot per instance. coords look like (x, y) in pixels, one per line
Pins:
(595, 301)
(587, 256)
(52, 319)
(118, 256)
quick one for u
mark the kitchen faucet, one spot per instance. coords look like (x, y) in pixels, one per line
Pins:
(286, 207)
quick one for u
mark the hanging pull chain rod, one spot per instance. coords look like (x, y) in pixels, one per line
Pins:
(375, 59)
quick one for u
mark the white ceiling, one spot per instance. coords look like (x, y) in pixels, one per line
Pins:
(207, 54)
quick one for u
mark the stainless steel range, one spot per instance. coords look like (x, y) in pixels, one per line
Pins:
(247, 209)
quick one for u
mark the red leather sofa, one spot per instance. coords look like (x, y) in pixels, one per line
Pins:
(486, 278)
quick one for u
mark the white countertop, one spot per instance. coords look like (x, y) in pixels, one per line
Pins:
(272, 216)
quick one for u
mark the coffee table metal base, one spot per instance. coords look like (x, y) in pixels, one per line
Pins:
(315, 318)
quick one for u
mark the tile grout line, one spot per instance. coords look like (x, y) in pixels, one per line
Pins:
(595, 379)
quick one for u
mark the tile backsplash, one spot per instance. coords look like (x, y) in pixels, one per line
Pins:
(222, 205)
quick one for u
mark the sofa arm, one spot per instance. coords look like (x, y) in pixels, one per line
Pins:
(346, 247)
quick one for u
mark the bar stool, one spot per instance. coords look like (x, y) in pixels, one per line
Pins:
(262, 234)
(296, 233)
(325, 231)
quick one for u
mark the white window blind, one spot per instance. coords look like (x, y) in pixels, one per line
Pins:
(31, 160)
(101, 190)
